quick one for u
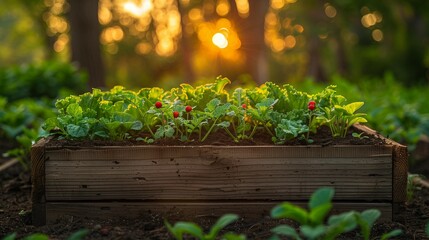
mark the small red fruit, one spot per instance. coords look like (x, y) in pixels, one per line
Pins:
(311, 105)
(158, 105)
(188, 108)
(175, 114)
(244, 106)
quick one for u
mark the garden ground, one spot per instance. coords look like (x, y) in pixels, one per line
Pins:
(15, 216)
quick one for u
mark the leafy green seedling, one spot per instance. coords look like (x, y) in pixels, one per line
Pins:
(181, 228)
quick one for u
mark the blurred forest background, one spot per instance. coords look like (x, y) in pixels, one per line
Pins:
(139, 43)
(375, 51)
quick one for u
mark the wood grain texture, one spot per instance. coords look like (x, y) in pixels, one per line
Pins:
(38, 182)
(129, 181)
(190, 211)
(400, 173)
(400, 165)
(218, 173)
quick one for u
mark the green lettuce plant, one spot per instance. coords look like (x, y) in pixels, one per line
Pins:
(192, 113)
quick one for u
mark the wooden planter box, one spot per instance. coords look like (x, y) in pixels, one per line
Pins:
(130, 181)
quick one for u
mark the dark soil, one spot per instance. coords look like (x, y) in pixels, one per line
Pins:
(221, 138)
(15, 205)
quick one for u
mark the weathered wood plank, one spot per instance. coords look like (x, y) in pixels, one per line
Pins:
(213, 153)
(89, 180)
(189, 211)
(38, 181)
(399, 162)
(224, 177)
(400, 173)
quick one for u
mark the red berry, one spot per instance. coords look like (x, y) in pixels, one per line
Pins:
(244, 106)
(188, 108)
(158, 105)
(175, 114)
(311, 105)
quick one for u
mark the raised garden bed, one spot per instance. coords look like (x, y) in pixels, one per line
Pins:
(125, 153)
(129, 181)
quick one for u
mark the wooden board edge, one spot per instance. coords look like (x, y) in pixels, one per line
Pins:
(189, 211)
(400, 174)
(371, 131)
(38, 182)
(400, 165)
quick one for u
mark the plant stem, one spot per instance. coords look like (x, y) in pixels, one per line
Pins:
(231, 135)
(268, 130)
(142, 115)
(253, 131)
(208, 132)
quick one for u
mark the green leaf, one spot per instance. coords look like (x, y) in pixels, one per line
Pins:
(233, 236)
(211, 106)
(290, 211)
(169, 131)
(353, 107)
(79, 234)
(366, 220)
(394, 233)
(101, 134)
(177, 233)
(10, 237)
(342, 223)
(220, 224)
(357, 120)
(224, 124)
(318, 214)
(220, 84)
(37, 236)
(122, 117)
(74, 110)
(320, 197)
(286, 230)
(50, 124)
(313, 232)
(78, 131)
(266, 103)
(137, 125)
(221, 110)
(190, 228)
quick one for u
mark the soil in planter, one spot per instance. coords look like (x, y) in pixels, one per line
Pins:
(221, 138)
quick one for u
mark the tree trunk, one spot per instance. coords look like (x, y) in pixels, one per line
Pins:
(315, 19)
(186, 51)
(85, 44)
(251, 33)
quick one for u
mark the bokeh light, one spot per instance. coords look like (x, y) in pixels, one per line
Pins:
(220, 40)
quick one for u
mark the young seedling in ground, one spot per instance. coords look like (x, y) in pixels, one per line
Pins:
(180, 229)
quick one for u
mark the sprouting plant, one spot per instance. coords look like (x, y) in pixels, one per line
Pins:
(215, 110)
(359, 135)
(312, 221)
(341, 118)
(78, 235)
(180, 229)
(261, 114)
